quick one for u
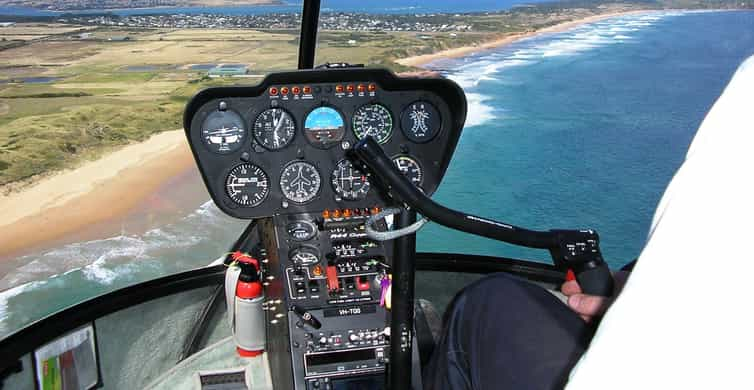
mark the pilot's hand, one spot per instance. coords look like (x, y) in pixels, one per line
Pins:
(588, 306)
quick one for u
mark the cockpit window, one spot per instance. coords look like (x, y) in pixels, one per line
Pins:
(577, 116)
(99, 187)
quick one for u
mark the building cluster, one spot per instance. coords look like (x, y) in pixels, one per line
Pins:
(76, 5)
(342, 21)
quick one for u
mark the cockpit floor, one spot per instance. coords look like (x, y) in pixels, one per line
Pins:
(220, 356)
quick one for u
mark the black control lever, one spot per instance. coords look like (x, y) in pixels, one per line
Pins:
(307, 317)
(571, 249)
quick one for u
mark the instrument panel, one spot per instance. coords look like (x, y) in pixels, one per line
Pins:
(282, 147)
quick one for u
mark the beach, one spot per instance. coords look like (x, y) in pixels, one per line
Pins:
(421, 60)
(141, 185)
(102, 198)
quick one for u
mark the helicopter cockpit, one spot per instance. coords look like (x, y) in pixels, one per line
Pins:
(332, 166)
(327, 155)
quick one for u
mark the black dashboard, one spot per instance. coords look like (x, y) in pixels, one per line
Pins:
(281, 147)
(281, 153)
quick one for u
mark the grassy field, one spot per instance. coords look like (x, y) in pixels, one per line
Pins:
(108, 93)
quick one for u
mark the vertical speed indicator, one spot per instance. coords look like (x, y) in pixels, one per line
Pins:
(247, 185)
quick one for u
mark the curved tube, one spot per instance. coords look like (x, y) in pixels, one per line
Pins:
(370, 152)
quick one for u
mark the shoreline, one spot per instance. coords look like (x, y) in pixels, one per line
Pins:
(101, 197)
(422, 60)
(144, 184)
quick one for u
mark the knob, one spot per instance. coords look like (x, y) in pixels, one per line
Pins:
(354, 338)
(323, 340)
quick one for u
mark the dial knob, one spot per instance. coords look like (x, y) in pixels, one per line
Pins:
(354, 338)
(323, 340)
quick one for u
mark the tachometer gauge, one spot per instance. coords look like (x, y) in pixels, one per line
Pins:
(374, 120)
(223, 132)
(300, 182)
(274, 128)
(420, 121)
(304, 255)
(324, 127)
(247, 185)
(410, 168)
(348, 182)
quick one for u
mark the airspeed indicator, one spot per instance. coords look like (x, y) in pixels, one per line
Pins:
(373, 120)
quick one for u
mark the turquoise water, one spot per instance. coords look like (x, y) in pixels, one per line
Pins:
(584, 129)
(577, 129)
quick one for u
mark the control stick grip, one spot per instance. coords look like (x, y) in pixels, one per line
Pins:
(595, 279)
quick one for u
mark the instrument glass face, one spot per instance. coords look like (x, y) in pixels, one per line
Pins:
(223, 132)
(287, 146)
(324, 127)
(420, 121)
(305, 255)
(300, 182)
(274, 128)
(247, 185)
(373, 120)
(348, 182)
(410, 168)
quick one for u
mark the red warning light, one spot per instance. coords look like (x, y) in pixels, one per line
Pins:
(339, 88)
(296, 90)
(361, 88)
(284, 90)
(372, 87)
(307, 90)
(273, 91)
(350, 88)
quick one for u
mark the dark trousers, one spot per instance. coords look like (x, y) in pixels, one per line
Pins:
(504, 333)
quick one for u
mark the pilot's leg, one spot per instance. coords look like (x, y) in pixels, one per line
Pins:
(504, 333)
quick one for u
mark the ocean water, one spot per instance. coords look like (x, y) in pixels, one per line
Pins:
(578, 129)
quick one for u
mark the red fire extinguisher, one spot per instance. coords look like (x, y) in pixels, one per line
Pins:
(244, 296)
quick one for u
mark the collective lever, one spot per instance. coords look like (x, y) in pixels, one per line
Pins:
(570, 249)
(307, 317)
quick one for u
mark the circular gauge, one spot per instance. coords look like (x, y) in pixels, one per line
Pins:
(373, 120)
(348, 182)
(301, 230)
(274, 128)
(420, 121)
(300, 182)
(410, 168)
(223, 132)
(304, 256)
(324, 127)
(247, 185)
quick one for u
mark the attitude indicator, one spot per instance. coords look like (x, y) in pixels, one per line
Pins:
(324, 127)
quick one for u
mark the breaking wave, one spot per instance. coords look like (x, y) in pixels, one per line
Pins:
(480, 70)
